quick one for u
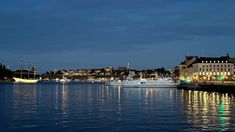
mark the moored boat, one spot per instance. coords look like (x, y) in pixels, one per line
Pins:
(160, 83)
(21, 80)
(64, 80)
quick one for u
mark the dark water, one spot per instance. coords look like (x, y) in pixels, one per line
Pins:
(95, 107)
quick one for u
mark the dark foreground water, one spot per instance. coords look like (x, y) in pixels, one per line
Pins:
(95, 107)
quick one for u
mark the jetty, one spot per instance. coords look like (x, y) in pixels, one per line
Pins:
(228, 87)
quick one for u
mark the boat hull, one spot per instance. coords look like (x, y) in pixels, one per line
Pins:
(144, 83)
(20, 80)
(145, 86)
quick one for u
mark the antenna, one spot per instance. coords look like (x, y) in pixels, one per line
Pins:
(128, 65)
(202, 52)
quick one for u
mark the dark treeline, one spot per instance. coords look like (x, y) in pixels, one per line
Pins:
(5, 74)
(121, 73)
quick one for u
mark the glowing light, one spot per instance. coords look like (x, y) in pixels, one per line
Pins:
(221, 78)
(186, 79)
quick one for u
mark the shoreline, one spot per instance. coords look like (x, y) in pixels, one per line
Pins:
(210, 87)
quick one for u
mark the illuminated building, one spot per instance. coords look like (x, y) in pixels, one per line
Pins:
(207, 68)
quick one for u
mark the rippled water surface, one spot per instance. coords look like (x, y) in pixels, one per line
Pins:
(95, 107)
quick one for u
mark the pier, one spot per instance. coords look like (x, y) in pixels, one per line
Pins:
(211, 87)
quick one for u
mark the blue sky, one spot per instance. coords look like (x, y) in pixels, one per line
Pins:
(56, 34)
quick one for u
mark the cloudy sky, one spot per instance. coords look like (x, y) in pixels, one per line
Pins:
(57, 34)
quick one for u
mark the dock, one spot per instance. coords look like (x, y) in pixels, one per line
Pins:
(210, 87)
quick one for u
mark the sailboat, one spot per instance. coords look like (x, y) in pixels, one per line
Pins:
(29, 80)
(22, 80)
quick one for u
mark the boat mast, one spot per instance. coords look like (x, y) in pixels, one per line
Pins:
(21, 68)
(28, 71)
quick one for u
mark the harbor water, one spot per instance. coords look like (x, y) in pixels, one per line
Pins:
(94, 107)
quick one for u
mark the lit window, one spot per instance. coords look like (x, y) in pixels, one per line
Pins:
(218, 61)
(210, 61)
(206, 61)
(203, 73)
(226, 61)
(218, 73)
(214, 61)
(202, 61)
(222, 61)
(229, 73)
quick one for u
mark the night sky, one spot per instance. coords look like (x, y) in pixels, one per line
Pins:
(73, 34)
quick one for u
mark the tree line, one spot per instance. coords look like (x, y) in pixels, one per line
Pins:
(5, 74)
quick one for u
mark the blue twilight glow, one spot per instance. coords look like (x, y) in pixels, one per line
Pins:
(86, 33)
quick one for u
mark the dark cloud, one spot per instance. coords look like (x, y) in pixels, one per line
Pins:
(51, 27)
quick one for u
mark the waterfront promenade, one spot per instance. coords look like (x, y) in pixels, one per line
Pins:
(228, 87)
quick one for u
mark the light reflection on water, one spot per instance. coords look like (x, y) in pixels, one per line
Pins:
(96, 107)
(209, 111)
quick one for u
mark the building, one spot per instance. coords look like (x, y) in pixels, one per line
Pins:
(203, 69)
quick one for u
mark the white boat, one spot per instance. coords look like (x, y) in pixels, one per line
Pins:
(21, 80)
(135, 83)
(65, 80)
(57, 80)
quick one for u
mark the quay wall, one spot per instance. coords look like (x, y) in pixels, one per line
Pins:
(211, 87)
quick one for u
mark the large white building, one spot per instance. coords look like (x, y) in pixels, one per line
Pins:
(208, 68)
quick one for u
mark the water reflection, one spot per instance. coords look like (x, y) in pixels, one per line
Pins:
(24, 104)
(80, 107)
(209, 111)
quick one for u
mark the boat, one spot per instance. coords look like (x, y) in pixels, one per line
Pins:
(145, 83)
(26, 76)
(22, 80)
(64, 80)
